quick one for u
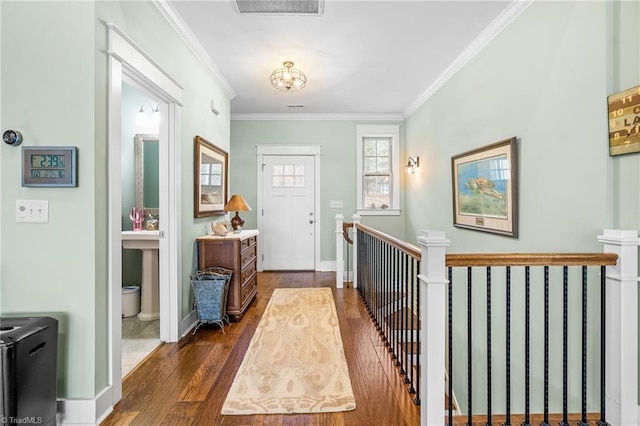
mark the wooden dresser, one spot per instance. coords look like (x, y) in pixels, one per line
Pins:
(237, 252)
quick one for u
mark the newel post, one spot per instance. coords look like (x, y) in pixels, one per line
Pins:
(433, 308)
(356, 221)
(339, 252)
(621, 340)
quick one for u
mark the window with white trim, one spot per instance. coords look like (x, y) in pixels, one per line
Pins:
(378, 186)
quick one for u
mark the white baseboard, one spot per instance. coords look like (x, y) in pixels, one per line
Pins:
(85, 411)
(326, 266)
(189, 322)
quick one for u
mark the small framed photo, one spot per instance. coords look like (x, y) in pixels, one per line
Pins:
(49, 166)
(485, 190)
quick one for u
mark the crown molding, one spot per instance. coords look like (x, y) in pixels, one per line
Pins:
(500, 23)
(170, 14)
(316, 117)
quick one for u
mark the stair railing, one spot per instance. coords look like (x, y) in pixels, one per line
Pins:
(397, 280)
(387, 281)
(612, 358)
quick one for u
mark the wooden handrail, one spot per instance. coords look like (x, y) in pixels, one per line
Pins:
(501, 259)
(410, 249)
(345, 232)
(531, 259)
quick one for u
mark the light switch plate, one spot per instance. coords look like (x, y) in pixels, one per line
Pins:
(335, 204)
(32, 211)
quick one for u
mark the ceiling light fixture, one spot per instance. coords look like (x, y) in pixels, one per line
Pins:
(288, 79)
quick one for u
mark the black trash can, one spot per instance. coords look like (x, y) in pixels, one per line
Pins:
(28, 346)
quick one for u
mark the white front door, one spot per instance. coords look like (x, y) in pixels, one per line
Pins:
(288, 213)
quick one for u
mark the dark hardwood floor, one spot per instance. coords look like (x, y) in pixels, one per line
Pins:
(186, 383)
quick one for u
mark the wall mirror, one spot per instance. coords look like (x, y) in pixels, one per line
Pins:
(211, 177)
(147, 173)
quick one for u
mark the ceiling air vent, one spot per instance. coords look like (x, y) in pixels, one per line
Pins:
(279, 7)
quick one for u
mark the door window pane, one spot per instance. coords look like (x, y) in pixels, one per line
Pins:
(288, 176)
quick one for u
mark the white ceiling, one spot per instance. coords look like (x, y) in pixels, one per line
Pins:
(361, 58)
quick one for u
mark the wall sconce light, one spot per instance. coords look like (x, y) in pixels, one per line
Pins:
(412, 164)
(142, 119)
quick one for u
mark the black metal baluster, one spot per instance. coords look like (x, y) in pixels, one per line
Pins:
(416, 355)
(489, 420)
(508, 348)
(371, 279)
(469, 350)
(603, 309)
(368, 270)
(401, 303)
(366, 281)
(397, 308)
(545, 421)
(565, 345)
(409, 374)
(527, 346)
(385, 295)
(389, 304)
(376, 305)
(450, 344)
(403, 313)
(583, 421)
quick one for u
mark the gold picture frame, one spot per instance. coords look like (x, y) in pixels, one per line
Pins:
(485, 190)
(211, 176)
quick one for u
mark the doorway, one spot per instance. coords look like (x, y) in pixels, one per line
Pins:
(288, 205)
(128, 62)
(140, 190)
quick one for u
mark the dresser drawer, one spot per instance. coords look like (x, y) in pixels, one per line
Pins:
(247, 242)
(247, 272)
(247, 256)
(249, 287)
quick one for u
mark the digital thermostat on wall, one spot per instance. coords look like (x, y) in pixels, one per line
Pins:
(52, 166)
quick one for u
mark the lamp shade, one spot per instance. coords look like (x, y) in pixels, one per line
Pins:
(237, 204)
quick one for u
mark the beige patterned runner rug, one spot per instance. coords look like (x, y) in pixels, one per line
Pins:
(295, 362)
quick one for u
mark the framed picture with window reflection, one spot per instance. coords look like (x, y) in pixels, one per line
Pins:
(211, 178)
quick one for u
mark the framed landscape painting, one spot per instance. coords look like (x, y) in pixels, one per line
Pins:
(485, 190)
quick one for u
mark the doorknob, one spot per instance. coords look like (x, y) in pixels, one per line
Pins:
(311, 221)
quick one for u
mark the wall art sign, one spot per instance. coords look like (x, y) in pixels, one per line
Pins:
(624, 121)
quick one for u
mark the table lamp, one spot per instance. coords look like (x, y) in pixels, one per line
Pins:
(237, 204)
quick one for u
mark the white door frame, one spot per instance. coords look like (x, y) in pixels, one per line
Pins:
(272, 149)
(127, 60)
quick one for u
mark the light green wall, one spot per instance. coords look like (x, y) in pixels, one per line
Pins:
(625, 70)
(54, 90)
(337, 174)
(48, 94)
(545, 80)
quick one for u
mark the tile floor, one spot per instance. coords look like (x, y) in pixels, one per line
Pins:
(139, 339)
